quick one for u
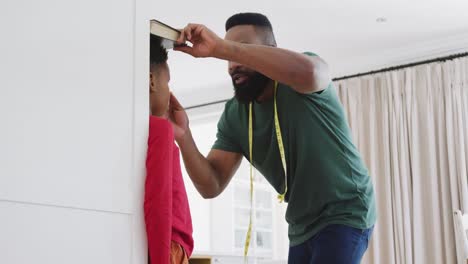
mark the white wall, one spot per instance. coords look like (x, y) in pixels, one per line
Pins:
(73, 122)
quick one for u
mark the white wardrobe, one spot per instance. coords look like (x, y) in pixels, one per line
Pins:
(73, 127)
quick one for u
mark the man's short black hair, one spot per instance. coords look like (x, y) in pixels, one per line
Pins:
(257, 20)
(158, 54)
(254, 19)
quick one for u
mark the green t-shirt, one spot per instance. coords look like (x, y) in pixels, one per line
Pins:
(328, 182)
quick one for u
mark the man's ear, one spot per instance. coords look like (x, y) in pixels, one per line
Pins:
(152, 84)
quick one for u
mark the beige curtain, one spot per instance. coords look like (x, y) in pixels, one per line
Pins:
(411, 127)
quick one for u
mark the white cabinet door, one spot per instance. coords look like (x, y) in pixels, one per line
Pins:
(71, 159)
(66, 104)
(50, 234)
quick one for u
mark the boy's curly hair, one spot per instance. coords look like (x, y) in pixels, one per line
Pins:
(158, 54)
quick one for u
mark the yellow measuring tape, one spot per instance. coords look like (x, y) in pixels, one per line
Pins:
(283, 161)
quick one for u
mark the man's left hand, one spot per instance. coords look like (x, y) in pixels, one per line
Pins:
(204, 41)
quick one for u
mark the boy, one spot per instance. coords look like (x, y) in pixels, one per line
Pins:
(167, 212)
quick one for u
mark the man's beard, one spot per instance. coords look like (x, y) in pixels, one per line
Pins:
(250, 89)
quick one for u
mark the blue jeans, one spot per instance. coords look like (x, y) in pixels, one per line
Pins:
(335, 244)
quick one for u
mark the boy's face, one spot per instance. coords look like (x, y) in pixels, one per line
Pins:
(159, 89)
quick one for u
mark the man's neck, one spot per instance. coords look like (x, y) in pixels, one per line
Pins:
(267, 93)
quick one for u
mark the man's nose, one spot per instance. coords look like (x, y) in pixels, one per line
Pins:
(233, 66)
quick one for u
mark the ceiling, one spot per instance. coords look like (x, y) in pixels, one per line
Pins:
(345, 33)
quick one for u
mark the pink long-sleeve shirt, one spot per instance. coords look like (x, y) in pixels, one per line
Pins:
(166, 207)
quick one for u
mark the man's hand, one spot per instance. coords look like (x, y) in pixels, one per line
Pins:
(178, 118)
(204, 41)
(305, 74)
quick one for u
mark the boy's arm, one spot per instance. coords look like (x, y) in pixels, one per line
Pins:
(158, 189)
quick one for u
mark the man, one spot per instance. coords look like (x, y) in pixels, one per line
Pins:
(167, 213)
(331, 209)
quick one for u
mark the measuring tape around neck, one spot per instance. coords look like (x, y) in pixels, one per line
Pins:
(279, 138)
